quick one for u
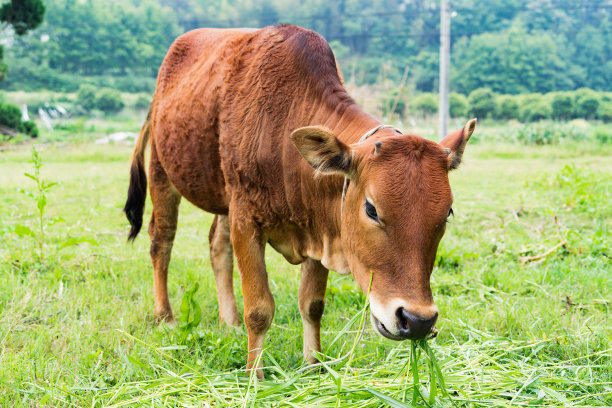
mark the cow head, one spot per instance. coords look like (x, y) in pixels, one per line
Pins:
(393, 217)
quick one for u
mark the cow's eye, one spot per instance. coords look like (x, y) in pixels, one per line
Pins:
(371, 210)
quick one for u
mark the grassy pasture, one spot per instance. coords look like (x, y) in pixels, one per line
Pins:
(75, 329)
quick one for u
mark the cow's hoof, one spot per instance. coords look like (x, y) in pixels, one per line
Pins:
(165, 317)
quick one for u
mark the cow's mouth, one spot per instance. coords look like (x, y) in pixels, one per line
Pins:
(383, 330)
(386, 333)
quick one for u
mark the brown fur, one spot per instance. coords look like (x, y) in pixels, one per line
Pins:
(225, 106)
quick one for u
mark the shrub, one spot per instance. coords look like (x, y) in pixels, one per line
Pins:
(29, 128)
(562, 106)
(458, 105)
(534, 108)
(550, 133)
(142, 102)
(535, 111)
(605, 111)
(507, 107)
(389, 100)
(587, 103)
(86, 97)
(131, 84)
(109, 101)
(10, 116)
(482, 103)
(603, 134)
(426, 103)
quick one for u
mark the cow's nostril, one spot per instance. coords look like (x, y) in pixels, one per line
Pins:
(403, 317)
(412, 326)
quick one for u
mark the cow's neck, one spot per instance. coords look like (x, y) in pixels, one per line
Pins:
(347, 126)
(350, 124)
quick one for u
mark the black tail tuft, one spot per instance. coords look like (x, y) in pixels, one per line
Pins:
(137, 193)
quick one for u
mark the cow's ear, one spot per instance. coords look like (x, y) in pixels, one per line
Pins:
(322, 150)
(455, 143)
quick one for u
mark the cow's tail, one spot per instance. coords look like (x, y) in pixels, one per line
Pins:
(137, 192)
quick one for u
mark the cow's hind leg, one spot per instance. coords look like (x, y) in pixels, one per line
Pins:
(249, 246)
(311, 299)
(162, 230)
(222, 261)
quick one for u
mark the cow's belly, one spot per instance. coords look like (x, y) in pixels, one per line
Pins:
(196, 174)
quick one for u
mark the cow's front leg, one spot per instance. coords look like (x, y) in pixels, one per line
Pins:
(249, 246)
(313, 282)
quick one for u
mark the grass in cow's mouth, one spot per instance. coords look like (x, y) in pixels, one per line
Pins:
(436, 378)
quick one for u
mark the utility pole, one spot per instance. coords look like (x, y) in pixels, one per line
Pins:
(444, 66)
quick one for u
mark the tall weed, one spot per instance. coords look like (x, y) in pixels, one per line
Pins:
(39, 196)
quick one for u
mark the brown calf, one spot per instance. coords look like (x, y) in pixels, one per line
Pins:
(256, 127)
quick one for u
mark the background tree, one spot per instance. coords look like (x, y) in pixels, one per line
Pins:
(534, 107)
(507, 107)
(426, 103)
(587, 103)
(509, 62)
(562, 106)
(482, 103)
(109, 101)
(86, 97)
(510, 46)
(22, 15)
(458, 105)
(142, 102)
(605, 111)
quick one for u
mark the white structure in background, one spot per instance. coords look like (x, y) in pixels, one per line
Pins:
(46, 120)
(119, 137)
(24, 113)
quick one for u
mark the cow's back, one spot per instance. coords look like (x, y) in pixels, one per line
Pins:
(226, 103)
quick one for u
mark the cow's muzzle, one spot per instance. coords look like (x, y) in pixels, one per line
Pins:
(414, 327)
(409, 326)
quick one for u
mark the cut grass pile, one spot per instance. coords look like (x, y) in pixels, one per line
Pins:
(75, 329)
(483, 371)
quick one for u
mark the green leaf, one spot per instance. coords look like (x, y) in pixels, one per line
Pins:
(390, 401)
(55, 220)
(433, 384)
(196, 314)
(337, 378)
(30, 176)
(348, 326)
(72, 241)
(432, 357)
(25, 192)
(415, 372)
(41, 204)
(191, 313)
(186, 302)
(47, 186)
(135, 362)
(24, 231)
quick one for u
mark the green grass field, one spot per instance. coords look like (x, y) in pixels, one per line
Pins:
(76, 328)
